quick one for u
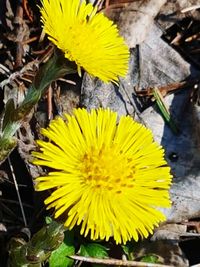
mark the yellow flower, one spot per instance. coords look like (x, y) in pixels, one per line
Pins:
(86, 37)
(108, 177)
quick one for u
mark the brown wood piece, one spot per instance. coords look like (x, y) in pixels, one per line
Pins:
(19, 50)
(164, 90)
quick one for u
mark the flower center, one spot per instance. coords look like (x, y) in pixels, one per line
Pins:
(76, 36)
(108, 169)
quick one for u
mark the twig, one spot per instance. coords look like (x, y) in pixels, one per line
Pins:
(8, 211)
(13, 202)
(196, 265)
(180, 35)
(164, 90)
(99, 4)
(67, 81)
(30, 40)
(27, 11)
(187, 9)
(4, 70)
(17, 191)
(19, 49)
(192, 37)
(49, 103)
(116, 262)
(42, 35)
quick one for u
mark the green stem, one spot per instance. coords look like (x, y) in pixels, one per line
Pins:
(55, 68)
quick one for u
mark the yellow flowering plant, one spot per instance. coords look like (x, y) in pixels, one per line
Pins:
(107, 177)
(86, 37)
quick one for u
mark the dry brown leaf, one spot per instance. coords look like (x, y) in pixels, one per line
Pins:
(135, 19)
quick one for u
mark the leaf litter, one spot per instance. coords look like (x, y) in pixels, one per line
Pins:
(164, 40)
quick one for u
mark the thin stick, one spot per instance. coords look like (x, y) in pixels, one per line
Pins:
(17, 190)
(67, 81)
(187, 9)
(49, 102)
(30, 40)
(99, 4)
(117, 262)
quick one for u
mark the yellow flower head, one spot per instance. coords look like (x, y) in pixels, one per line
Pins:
(108, 177)
(86, 37)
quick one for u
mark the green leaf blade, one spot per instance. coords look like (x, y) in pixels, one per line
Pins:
(59, 257)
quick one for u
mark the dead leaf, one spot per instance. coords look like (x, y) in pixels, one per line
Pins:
(168, 252)
(135, 19)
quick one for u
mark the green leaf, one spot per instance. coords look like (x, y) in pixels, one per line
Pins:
(164, 110)
(9, 109)
(150, 258)
(48, 220)
(93, 250)
(59, 257)
(129, 249)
